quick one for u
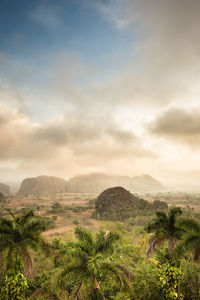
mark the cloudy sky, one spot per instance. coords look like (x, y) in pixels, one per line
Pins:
(100, 86)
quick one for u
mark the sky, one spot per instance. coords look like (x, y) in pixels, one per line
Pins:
(109, 86)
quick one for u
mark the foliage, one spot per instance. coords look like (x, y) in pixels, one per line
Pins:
(169, 279)
(14, 284)
(91, 262)
(110, 264)
(189, 285)
(57, 208)
(165, 227)
(191, 238)
(146, 282)
(75, 222)
(18, 235)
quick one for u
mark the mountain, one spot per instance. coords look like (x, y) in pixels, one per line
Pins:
(42, 184)
(91, 183)
(117, 203)
(97, 182)
(4, 189)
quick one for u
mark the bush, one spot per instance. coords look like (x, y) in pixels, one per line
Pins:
(190, 282)
(75, 222)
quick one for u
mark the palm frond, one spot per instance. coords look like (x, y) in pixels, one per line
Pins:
(18, 235)
(24, 218)
(6, 225)
(105, 241)
(189, 224)
(77, 253)
(190, 243)
(84, 235)
(175, 211)
(72, 268)
(11, 213)
(159, 222)
(110, 267)
(124, 270)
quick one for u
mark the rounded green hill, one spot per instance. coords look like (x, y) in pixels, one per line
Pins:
(117, 203)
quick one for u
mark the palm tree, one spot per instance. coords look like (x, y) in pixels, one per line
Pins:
(18, 235)
(165, 228)
(191, 238)
(90, 259)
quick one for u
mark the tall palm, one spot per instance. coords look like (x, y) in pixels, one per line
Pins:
(91, 261)
(191, 238)
(165, 228)
(18, 235)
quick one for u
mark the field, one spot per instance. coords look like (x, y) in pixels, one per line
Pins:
(64, 211)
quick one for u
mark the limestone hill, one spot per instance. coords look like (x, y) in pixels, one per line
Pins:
(117, 204)
(96, 183)
(4, 189)
(42, 184)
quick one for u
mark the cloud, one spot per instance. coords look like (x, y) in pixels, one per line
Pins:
(68, 130)
(65, 143)
(90, 137)
(116, 12)
(92, 110)
(164, 64)
(178, 125)
(47, 15)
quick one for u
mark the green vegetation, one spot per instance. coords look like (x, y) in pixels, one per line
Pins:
(14, 284)
(90, 262)
(18, 235)
(164, 226)
(57, 208)
(152, 257)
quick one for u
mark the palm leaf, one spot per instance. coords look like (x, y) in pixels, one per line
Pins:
(84, 235)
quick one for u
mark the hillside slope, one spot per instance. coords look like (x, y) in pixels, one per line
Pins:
(4, 189)
(116, 203)
(42, 184)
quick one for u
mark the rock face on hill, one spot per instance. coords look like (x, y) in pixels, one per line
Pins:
(117, 204)
(42, 184)
(4, 189)
(96, 183)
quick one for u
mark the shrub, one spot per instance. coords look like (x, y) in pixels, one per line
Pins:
(75, 222)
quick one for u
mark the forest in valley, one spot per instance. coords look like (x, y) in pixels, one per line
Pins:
(154, 258)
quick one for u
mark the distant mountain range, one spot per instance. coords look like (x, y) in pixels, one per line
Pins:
(91, 183)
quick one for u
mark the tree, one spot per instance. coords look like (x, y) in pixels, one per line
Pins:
(191, 238)
(18, 235)
(165, 228)
(91, 261)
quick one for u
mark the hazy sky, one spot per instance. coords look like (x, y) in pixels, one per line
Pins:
(100, 86)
